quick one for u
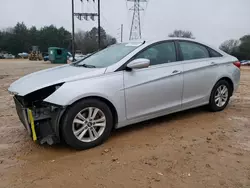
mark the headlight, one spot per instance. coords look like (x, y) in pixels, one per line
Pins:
(41, 94)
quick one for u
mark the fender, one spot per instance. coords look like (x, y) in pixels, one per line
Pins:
(108, 86)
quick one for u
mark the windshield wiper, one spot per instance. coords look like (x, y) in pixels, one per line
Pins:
(88, 66)
(85, 65)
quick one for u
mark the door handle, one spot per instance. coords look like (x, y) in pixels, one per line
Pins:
(176, 72)
(213, 63)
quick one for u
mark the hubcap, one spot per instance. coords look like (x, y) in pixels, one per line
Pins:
(89, 124)
(221, 96)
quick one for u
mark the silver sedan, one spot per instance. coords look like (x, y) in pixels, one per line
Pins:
(123, 84)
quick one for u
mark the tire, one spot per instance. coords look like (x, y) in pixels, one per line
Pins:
(69, 128)
(214, 104)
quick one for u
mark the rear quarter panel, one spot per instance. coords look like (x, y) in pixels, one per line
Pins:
(227, 69)
(200, 78)
(231, 71)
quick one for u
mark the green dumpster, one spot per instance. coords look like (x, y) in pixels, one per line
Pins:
(57, 55)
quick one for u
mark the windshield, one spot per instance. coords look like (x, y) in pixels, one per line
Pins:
(108, 56)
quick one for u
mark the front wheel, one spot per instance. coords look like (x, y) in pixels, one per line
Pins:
(87, 123)
(220, 96)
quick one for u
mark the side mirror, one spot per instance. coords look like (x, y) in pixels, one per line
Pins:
(139, 63)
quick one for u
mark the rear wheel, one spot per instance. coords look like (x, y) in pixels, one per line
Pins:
(87, 123)
(220, 96)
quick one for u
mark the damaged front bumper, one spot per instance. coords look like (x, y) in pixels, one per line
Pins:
(41, 121)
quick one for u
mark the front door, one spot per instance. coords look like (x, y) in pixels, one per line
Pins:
(155, 89)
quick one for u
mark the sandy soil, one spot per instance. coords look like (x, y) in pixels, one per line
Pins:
(195, 148)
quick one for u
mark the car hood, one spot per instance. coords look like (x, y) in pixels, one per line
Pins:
(52, 76)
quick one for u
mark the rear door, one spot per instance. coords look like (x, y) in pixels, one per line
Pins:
(158, 88)
(200, 72)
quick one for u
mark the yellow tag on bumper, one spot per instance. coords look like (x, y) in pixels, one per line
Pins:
(31, 119)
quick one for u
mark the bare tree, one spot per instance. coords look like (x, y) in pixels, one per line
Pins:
(182, 34)
(109, 40)
(79, 40)
(230, 46)
(87, 41)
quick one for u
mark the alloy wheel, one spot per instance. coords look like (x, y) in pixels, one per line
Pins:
(89, 124)
(221, 95)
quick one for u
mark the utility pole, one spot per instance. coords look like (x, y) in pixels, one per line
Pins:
(135, 30)
(73, 31)
(99, 25)
(92, 17)
(121, 32)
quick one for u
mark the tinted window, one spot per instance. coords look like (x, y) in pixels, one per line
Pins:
(213, 53)
(159, 53)
(192, 50)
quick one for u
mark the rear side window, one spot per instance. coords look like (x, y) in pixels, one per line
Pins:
(213, 53)
(192, 50)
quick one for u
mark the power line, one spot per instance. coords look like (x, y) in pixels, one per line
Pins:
(106, 21)
(128, 15)
(102, 16)
(82, 7)
(144, 13)
(85, 16)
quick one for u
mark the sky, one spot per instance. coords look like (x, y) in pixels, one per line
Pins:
(211, 21)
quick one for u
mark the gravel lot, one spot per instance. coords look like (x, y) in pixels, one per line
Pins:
(195, 148)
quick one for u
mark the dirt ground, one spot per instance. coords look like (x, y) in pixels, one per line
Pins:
(195, 148)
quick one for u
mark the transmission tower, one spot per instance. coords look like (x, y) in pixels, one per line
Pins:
(135, 30)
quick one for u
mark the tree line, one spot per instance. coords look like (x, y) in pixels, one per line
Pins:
(239, 48)
(20, 38)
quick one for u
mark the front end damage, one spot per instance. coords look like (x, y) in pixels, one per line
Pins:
(41, 119)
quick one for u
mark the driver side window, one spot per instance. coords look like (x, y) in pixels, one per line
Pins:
(159, 53)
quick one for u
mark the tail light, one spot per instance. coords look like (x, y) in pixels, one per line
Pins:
(237, 64)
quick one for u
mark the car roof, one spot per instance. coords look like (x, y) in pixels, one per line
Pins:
(151, 41)
(158, 40)
(148, 42)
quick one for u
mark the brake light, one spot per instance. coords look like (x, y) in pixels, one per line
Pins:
(237, 64)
